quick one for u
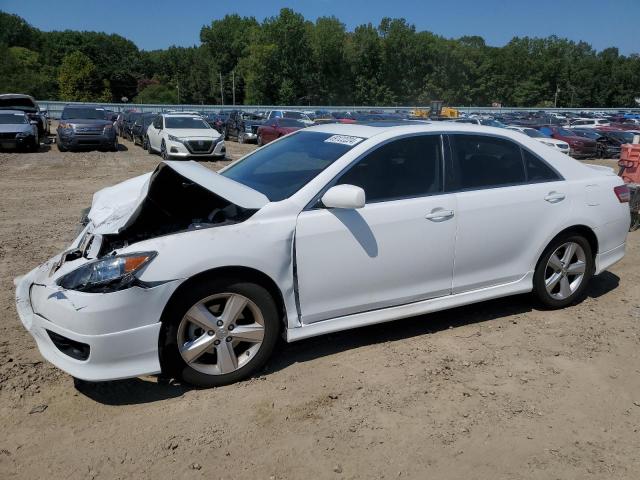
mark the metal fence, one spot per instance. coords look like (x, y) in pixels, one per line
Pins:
(55, 108)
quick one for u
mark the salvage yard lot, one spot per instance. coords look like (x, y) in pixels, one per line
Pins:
(495, 390)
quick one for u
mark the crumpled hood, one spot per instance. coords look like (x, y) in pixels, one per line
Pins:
(114, 208)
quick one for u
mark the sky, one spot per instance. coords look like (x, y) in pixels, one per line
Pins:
(157, 24)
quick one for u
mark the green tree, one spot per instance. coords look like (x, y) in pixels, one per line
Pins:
(77, 78)
(157, 93)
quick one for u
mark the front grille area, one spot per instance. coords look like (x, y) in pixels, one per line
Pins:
(77, 350)
(88, 131)
(7, 136)
(200, 146)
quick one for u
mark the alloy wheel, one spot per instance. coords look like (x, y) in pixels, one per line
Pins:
(565, 270)
(221, 333)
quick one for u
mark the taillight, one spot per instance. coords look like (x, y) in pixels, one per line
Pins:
(623, 193)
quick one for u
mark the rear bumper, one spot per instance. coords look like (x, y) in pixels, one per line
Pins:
(609, 258)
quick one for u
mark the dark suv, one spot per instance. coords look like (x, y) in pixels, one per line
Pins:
(84, 127)
(243, 126)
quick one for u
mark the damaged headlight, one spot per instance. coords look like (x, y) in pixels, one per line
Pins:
(108, 274)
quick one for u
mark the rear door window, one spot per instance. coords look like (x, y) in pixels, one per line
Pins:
(480, 161)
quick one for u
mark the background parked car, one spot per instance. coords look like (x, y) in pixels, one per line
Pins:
(276, 128)
(243, 126)
(127, 128)
(28, 105)
(606, 146)
(179, 135)
(539, 136)
(290, 114)
(580, 147)
(217, 120)
(17, 130)
(139, 129)
(85, 127)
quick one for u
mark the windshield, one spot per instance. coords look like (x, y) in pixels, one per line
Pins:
(623, 136)
(297, 115)
(565, 133)
(282, 168)
(533, 133)
(285, 122)
(492, 123)
(186, 122)
(83, 113)
(12, 118)
(18, 104)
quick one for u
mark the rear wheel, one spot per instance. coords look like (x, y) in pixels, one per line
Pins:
(259, 140)
(564, 271)
(241, 138)
(219, 332)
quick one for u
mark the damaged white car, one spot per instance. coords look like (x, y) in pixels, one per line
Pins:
(196, 274)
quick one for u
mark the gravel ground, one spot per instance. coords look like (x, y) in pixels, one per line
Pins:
(498, 390)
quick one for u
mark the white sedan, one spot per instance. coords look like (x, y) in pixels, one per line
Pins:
(548, 141)
(196, 274)
(184, 135)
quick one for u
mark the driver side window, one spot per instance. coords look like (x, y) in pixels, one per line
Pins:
(405, 168)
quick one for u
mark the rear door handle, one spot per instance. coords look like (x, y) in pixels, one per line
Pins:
(439, 215)
(555, 197)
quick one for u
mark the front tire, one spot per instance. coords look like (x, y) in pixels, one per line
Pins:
(218, 332)
(163, 151)
(563, 272)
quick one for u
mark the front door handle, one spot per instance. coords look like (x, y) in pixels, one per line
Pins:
(439, 215)
(555, 197)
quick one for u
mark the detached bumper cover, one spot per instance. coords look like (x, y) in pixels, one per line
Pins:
(120, 328)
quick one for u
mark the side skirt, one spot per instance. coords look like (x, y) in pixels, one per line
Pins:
(524, 285)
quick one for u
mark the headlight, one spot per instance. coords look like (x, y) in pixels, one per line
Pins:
(108, 274)
(175, 139)
(108, 128)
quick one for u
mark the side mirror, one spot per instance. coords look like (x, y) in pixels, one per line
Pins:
(344, 196)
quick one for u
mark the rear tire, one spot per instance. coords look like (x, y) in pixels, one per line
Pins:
(563, 271)
(211, 367)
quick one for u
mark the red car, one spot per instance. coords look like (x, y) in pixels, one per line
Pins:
(276, 128)
(580, 147)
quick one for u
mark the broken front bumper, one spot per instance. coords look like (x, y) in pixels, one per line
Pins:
(91, 336)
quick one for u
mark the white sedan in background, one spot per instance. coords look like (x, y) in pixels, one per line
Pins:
(550, 142)
(184, 135)
(196, 274)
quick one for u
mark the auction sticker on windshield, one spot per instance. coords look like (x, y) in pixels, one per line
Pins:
(344, 140)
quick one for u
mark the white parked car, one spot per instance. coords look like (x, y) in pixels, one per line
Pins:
(550, 142)
(589, 123)
(180, 135)
(291, 114)
(196, 273)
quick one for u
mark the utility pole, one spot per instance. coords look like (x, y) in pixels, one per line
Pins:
(221, 90)
(233, 82)
(555, 100)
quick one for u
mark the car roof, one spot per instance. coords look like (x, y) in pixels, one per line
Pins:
(368, 130)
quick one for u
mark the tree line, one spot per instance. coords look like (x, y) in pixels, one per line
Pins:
(289, 60)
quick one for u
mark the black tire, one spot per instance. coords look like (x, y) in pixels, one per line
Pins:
(241, 138)
(114, 147)
(172, 362)
(225, 133)
(61, 147)
(35, 145)
(149, 149)
(259, 140)
(539, 287)
(163, 151)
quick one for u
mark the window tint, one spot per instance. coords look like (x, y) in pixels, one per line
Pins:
(483, 162)
(409, 167)
(537, 169)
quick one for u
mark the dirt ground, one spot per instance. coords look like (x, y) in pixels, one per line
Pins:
(498, 390)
